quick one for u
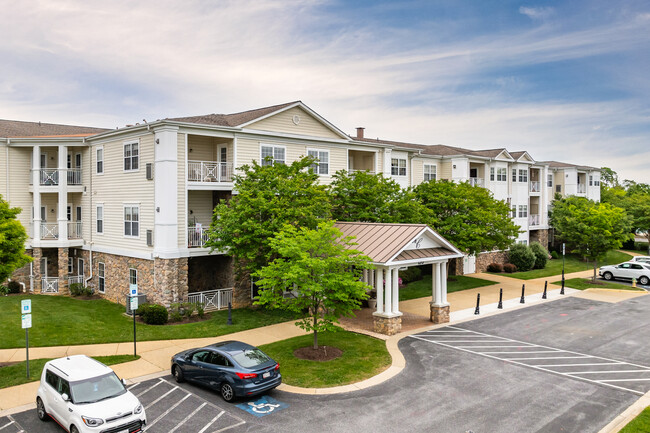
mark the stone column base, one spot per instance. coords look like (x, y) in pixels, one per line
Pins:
(387, 325)
(439, 314)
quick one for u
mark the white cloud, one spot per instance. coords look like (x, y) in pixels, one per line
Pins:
(536, 13)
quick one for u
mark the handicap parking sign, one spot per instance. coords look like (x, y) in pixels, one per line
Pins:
(262, 406)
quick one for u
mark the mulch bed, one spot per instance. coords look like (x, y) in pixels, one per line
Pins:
(7, 364)
(323, 353)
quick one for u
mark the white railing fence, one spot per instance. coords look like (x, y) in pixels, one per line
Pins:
(197, 236)
(534, 186)
(534, 220)
(209, 171)
(354, 170)
(78, 279)
(74, 230)
(49, 176)
(49, 231)
(582, 188)
(212, 299)
(74, 176)
(476, 181)
(50, 285)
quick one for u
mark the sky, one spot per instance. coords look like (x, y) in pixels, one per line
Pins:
(563, 80)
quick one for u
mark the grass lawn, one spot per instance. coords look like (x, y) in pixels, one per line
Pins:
(455, 283)
(640, 424)
(573, 263)
(586, 283)
(16, 374)
(60, 321)
(363, 357)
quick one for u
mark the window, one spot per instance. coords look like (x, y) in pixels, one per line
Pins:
(133, 276)
(100, 218)
(132, 221)
(223, 154)
(523, 175)
(78, 213)
(100, 160)
(322, 157)
(69, 213)
(514, 211)
(597, 182)
(523, 210)
(100, 276)
(558, 188)
(492, 173)
(502, 174)
(80, 267)
(591, 180)
(70, 264)
(523, 242)
(514, 175)
(276, 154)
(430, 172)
(43, 214)
(131, 157)
(398, 167)
(549, 180)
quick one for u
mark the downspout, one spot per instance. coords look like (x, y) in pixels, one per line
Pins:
(31, 276)
(90, 212)
(7, 170)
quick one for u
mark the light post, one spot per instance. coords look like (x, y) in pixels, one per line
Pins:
(563, 253)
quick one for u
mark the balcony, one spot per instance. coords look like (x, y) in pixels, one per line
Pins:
(50, 177)
(534, 186)
(197, 236)
(209, 171)
(582, 188)
(50, 285)
(74, 230)
(49, 231)
(212, 299)
(476, 181)
(354, 170)
(534, 220)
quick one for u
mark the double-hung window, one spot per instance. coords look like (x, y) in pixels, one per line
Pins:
(430, 172)
(321, 165)
(491, 174)
(523, 211)
(132, 221)
(273, 154)
(70, 265)
(131, 156)
(398, 167)
(591, 180)
(100, 276)
(100, 160)
(502, 174)
(549, 180)
(133, 276)
(514, 175)
(100, 218)
(523, 175)
(514, 211)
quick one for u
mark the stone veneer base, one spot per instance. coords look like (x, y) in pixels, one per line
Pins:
(387, 325)
(439, 314)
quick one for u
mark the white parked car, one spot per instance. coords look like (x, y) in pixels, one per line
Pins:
(644, 259)
(83, 395)
(626, 271)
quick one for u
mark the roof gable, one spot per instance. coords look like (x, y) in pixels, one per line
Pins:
(16, 128)
(296, 119)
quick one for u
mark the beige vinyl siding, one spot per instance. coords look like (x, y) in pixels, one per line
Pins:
(3, 171)
(87, 164)
(116, 188)
(445, 170)
(51, 202)
(338, 160)
(283, 122)
(380, 161)
(181, 190)
(558, 179)
(200, 203)
(202, 147)
(417, 171)
(20, 176)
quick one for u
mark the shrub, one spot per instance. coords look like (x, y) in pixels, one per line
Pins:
(154, 314)
(78, 289)
(410, 274)
(200, 309)
(187, 308)
(522, 257)
(509, 268)
(541, 255)
(495, 267)
(4, 290)
(555, 255)
(142, 308)
(13, 286)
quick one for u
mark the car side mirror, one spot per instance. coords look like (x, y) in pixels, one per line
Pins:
(123, 382)
(65, 397)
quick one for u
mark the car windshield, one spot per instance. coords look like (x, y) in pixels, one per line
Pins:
(250, 358)
(96, 389)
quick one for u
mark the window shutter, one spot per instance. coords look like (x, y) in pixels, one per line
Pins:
(150, 238)
(149, 171)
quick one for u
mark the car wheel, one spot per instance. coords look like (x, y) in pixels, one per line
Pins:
(227, 392)
(608, 276)
(74, 429)
(644, 280)
(178, 374)
(40, 410)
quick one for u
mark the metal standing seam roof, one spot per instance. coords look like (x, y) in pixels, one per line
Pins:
(381, 242)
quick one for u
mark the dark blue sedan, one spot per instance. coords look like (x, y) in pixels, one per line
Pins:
(236, 369)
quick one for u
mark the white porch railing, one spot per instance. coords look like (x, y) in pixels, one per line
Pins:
(582, 188)
(49, 176)
(74, 176)
(212, 299)
(49, 231)
(50, 285)
(534, 186)
(534, 220)
(77, 279)
(354, 170)
(74, 230)
(476, 181)
(209, 171)
(197, 236)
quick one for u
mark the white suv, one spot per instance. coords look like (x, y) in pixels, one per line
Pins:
(626, 271)
(83, 395)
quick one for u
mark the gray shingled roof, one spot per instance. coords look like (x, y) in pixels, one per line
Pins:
(436, 149)
(235, 119)
(558, 164)
(17, 128)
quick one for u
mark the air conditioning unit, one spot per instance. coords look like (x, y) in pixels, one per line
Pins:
(149, 171)
(150, 238)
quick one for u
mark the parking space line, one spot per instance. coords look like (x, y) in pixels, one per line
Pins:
(608, 371)
(532, 351)
(546, 357)
(150, 388)
(643, 379)
(211, 422)
(161, 397)
(7, 425)
(188, 417)
(578, 365)
(133, 386)
(174, 406)
(489, 346)
(231, 426)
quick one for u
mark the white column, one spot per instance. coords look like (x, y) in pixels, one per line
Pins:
(63, 193)
(443, 278)
(379, 284)
(371, 277)
(437, 285)
(36, 184)
(164, 182)
(395, 291)
(434, 278)
(388, 307)
(364, 276)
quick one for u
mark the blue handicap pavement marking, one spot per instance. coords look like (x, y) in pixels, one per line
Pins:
(262, 406)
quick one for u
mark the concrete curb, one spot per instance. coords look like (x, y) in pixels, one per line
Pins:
(628, 415)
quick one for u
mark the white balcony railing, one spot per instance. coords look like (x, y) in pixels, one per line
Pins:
(49, 231)
(74, 176)
(74, 230)
(476, 181)
(76, 279)
(582, 188)
(354, 170)
(197, 236)
(534, 186)
(534, 220)
(209, 171)
(50, 285)
(212, 299)
(49, 176)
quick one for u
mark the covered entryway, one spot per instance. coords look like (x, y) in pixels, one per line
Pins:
(392, 247)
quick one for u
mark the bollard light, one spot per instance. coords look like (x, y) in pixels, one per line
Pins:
(522, 300)
(545, 286)
(478, 301)
(500, 306)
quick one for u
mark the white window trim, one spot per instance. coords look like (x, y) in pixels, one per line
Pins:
(398, 159)
(129, 143)
(97, 149)
(504, 174)
(273, 146)
(310, 149)
(136, 276)
(435, 171)
(101, 276)
(97, 206)
(70, 265)
(81, 262)
(124, 206)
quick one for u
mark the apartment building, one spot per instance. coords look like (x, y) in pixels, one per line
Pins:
(110, 208)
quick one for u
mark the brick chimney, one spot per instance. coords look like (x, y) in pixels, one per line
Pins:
(360, 132)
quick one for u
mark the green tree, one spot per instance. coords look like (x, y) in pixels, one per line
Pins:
(322, 271)
(266, 198)
(368, 197)
(589, 228)
(638, 206)
(608, 177)
(468, 216)
(12, 241)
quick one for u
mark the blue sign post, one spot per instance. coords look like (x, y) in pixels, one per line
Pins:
(133, 300)
(26, 322)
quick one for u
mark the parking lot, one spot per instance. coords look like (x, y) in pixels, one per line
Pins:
(450, 384)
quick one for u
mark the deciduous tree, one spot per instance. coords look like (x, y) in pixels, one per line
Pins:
(12, 241)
